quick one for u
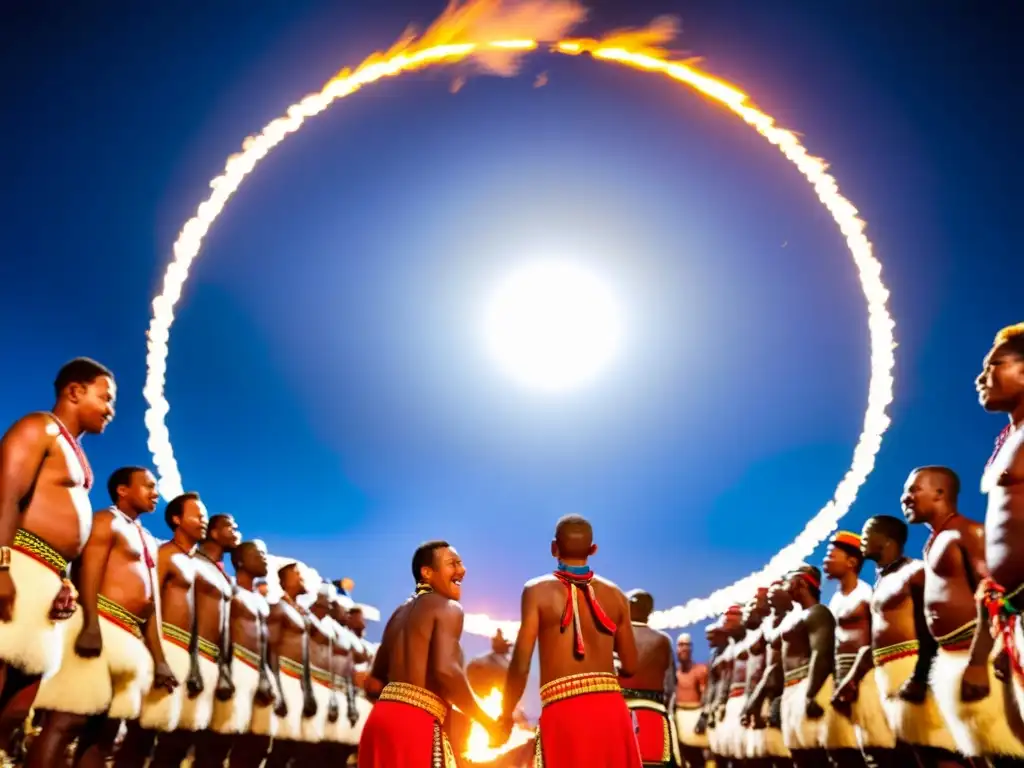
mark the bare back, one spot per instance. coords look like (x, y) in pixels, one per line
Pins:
(406, 648)
(128, 580)
(949, 582)
(557, 647)
(176, 570)
(1004, 518)
(654, 651)
(893, 609)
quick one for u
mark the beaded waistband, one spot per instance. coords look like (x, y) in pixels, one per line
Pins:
(321, 676)
(959, 639)
(636, 694)
(890, 653)
(115, 614)
(182, 639)
(32, 546)
(797, 674)
(247, 657)
(414, 696)
(578, 685)
(289, 667)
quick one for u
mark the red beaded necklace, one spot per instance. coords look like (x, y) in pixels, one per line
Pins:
(79, 453)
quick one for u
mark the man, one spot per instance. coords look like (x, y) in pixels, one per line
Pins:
(357, 707)
(250, 670)
(691, 683)
(420, 664)
(162, 709)
(108, 665)
(319, 658)
(332, 747)
(1001, 390)
(763, 711)
(648, 691)
(751, 744)
(732, 673)
(902, 647)
(213, 592)
(45, 518)
(584, 719)
(858, 721)
(289, 643)
(808, 638)
(707, 722)
(954, 565)
(488, 671)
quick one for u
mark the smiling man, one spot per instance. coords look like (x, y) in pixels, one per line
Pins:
(420, 664)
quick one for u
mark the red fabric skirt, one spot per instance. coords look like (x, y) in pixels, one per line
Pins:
(399, 735)
(593, 730)
(654, 736)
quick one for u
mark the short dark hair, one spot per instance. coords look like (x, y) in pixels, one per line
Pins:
(892, 527)
(81, 370)
(176, 508)
(952, 479)
(811, 576)
(853, 552)
(119, 477)
(218, 519)
(238, 553)
(284, 570)
(424, 555)
(574, 535)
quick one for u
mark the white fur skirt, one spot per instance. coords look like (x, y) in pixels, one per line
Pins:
(315, 727)
(351, 734)
(161, 709)
(115, 681)
(979, 728)
(31, 641)
(289, 727)
(798, 730)
(764, 742)
(235, 714)
(731, 733)
(197, 712)
(917, 724)
(686, 717)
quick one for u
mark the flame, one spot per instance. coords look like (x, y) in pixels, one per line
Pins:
(494, 35)
(477, 749)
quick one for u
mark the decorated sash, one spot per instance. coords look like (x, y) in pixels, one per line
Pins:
(577, 579)
(1003, 616)
(890, 653)
(118, 616)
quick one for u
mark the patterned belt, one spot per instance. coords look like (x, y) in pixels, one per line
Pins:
(32, 546)
(844, 663)
(247, 657)
(883, 656)
(289, 667)
(182, 639)
(578, 685)
(636, 694)
(959, 639)
(796, 675)
(414, 696)
(115, 614)
(320, 676)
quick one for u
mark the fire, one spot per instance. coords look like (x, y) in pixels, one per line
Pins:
(494, 35)
(477, 749)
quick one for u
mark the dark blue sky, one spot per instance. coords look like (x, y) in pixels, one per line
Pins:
(326, 382)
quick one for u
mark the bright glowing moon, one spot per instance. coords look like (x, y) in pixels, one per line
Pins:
(553, 326)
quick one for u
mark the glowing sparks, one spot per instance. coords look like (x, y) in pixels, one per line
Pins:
(477, 749)
(494, 36)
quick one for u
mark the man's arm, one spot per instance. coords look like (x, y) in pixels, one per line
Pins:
(670, 675)
(625, 641)
(916, 688)
(162, 675)
(93, 565)
(519, 666)
(273, 661)
(22, 451)
(975, 683)
(446, 661)
(821, 630)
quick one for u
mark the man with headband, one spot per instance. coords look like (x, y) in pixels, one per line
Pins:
(580, 621)
(729, 734)
(859, 722)
(691, 683)
(762, 713)
(752, 747)
(649, 689)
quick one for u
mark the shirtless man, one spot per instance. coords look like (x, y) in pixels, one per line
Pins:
(1001, 390)
(250, 669)
(752, 654)
(732, 674)
(691, 683)
(765, 747)
(332, 748)
(327, 709)
(584, 720)
(858, 721)
(420, 665)
(213, 593)
(707, 722)
(954, 561)
(163, 710)
(356, 706)
(108, 665)
(649, 689)
(808, 655)
(45, 519)
(902, 647)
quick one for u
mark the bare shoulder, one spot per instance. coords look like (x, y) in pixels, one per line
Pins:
(540, 582)
(104, 519)
(607, 583)
(819, 613)
(31, 428)
(969, 529)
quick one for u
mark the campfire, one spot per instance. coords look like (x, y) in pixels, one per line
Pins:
(477, 751)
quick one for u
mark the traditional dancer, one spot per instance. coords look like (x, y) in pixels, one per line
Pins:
(332, 747)
(325, 708)
(707, 723)
(357, 704)
(808, 638)
(764, 744)
(858, 718)
(954, 559)
(691, 683)
(730, 736)
(162, 709)
(45, 517)
(108, 666)
(420, 664)
(1001, 390)
(648, 690)
(584, 719)
(752, 748)
(902, 647)
(250, 668)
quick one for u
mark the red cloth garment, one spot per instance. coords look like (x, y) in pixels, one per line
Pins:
(653, 737)
(404, 731)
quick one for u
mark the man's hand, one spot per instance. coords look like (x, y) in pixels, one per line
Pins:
(844, 696)
(775, 713)
(499, 730)
(64, 604)
(1001, 665)
(194, 684)
(282, 708)
(974, 686)
(813, 709)
(225, 685)
(8, 594)
(163, 677)
(89, 644)
(702, 724)
(264, 692)
(913, 691)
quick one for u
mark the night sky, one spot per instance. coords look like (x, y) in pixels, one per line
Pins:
(326, 379)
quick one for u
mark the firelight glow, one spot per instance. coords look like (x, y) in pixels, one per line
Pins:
(553, 326)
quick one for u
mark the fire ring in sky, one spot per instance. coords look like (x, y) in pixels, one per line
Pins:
(461, 34)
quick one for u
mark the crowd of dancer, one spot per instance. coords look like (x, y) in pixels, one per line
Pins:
(137, 652)
(103, 630)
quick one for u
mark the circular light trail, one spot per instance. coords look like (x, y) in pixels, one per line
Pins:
(434, 49)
